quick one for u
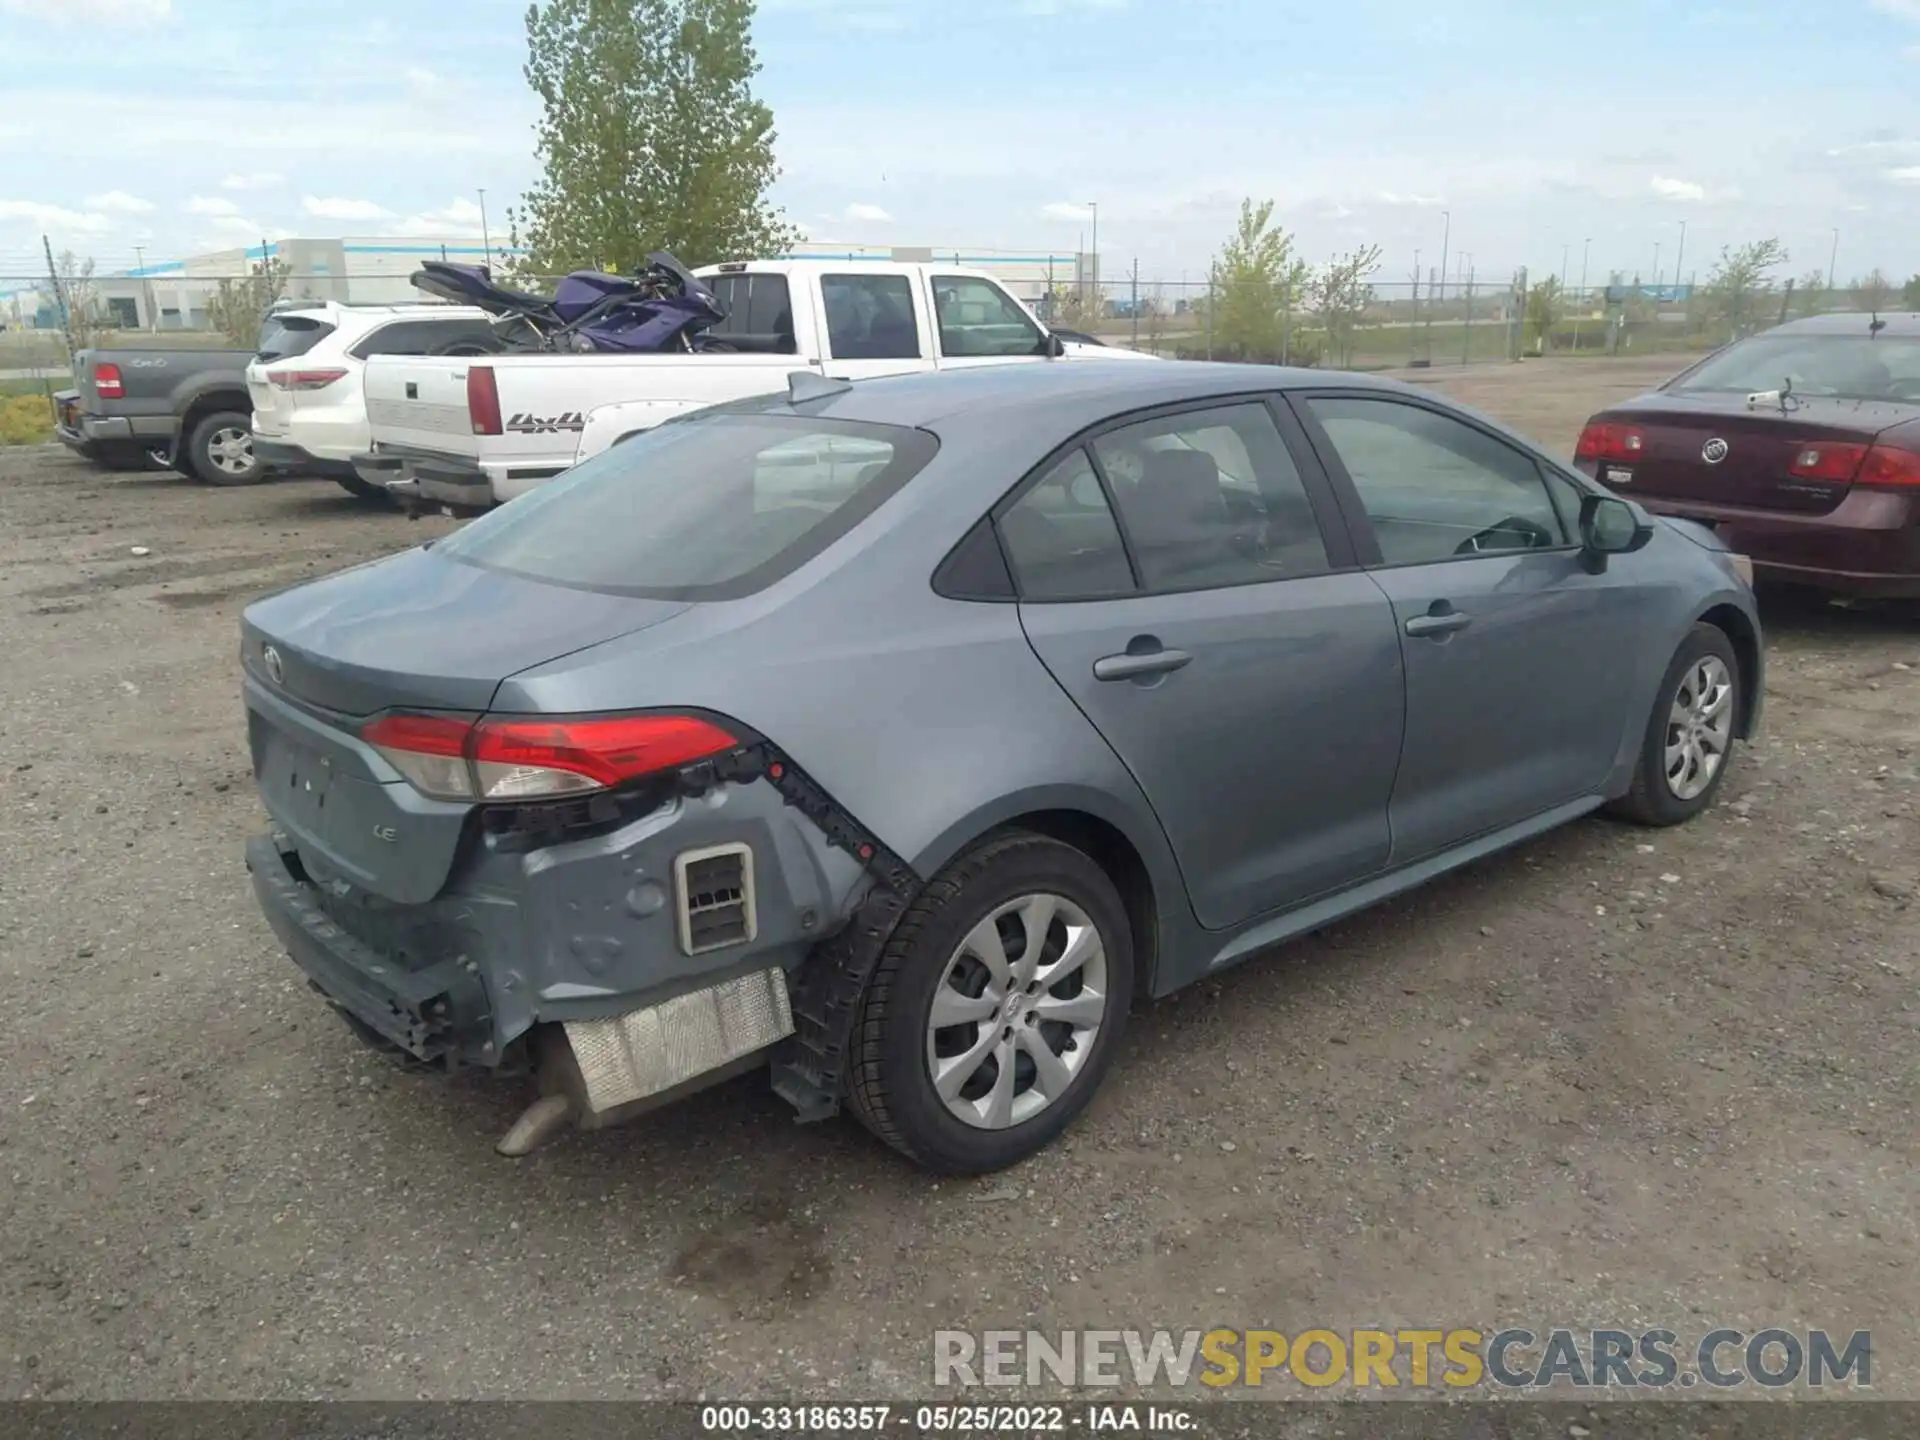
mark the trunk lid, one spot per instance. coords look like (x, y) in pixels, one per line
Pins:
(415, 632)
(1760, 444)
(421, 400)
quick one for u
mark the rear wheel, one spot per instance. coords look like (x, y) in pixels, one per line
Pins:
(1689, 741)
(996, 1007)
(220, 450)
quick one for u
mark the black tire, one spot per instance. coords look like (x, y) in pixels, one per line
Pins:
(889, 1084)
(364, 490)
(1651, 800)
(221, 427)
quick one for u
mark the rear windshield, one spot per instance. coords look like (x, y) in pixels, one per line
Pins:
(284, 336)
(709, 508)
(1849, 367)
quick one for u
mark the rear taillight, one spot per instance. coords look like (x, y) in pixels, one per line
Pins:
(483, 400)
(1610, 440)
(539, 759)
(1826, 460)
(303, 379)
(107, 383)
(1890, 466)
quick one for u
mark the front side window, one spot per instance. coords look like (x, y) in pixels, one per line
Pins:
(759, 313)
(709, 508)
(1211, 498)
(1434, 487)
(870, 317)
(978, 318)
(1061, 539)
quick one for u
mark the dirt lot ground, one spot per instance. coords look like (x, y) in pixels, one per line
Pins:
(1611, 1078)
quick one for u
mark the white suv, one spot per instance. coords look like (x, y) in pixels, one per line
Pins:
(306, 381)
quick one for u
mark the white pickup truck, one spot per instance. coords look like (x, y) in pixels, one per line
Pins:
(461, 434)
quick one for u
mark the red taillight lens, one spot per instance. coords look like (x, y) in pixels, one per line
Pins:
(1609, 440)
(1826, 460)
(107, 383)
(1889, 465)
(539, 759)
(483, 400)
(303, 379)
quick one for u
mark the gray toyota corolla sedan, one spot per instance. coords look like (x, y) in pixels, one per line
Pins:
(899, 737)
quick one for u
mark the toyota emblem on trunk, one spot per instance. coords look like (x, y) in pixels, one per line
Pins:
(276, 671)
(1714, 451)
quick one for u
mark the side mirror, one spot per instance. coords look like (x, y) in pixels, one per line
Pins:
(1054, 348)
(1611, 526)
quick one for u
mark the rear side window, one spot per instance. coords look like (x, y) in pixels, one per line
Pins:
(870, 317)
(759, 313)
(420, 337)
(1061, 538)
(709, 508)
(284, 336)
(979, 318)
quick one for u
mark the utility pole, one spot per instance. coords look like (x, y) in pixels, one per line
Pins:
(1134, 303)
(1099, 306)
(60, 299)
(1413, 331)
(1586, 250)
(1434, 296)
(1833, 259)
(146, 287)
(1678, 256)
(486, 240)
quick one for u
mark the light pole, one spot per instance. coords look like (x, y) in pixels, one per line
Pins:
(1678, 256)
(1832, 259)
(486, 240)
(1586, 250)
(1563, 267)
(146, 287)
(1439, 288)
(1098, 305)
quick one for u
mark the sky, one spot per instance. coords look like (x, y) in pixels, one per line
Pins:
(1545, 133)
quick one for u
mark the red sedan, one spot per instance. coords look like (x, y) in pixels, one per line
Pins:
(1801, 446)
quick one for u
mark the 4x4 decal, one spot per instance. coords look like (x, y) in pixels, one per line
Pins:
(525, 424)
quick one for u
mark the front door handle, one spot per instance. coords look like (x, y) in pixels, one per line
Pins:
(1135, 667)
(1437, 623)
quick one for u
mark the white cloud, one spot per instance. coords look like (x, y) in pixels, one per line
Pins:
(119, 202)
(421, 78)
(461, 217)
(1900, 9)
(1905, 175)
(1066, 210)
(335, 207)
(1394, 197)
(93, 12)
(1668, 188)
(52, 217)
(211, 205)
(257, 180)
(862, 210)
(238, 228)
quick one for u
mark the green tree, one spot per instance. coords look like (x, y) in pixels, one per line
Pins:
(1544, 304)
(1341, 294)
(1910, 294)
(77, 297)
(237, 307)
(1256, 277)
(1873, 291)
(1734, 298)
(650, 137)
(1810, 293)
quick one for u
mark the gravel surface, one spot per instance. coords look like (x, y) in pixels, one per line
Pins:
(1613, 1077)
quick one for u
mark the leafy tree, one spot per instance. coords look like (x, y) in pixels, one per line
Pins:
(1737, 284)
(650, 137)
(237, 307)
(77, 298)
(1873, 290)
(1544, 304)
(1910, 294)
(1256, 276)
(1341, 294)
(1810, 293)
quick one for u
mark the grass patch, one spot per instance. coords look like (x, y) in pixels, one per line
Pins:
(25, 420)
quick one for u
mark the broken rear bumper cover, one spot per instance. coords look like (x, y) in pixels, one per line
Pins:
(598, 937)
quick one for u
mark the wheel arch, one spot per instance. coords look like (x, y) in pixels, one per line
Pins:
(211, 402)
(1744, 635)
(1132, 853)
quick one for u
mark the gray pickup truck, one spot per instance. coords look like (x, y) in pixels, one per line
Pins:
(186, 409)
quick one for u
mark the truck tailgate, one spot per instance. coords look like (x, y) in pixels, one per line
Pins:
(421, 401)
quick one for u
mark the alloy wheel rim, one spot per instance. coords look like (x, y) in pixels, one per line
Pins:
(1016, 1011)
(1699, 727)
(231, 450)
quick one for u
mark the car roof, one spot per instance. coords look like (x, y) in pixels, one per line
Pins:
(1904, 323)
(1060, 396)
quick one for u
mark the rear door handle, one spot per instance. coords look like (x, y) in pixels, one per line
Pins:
(1444, 623)
(1133, 667)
